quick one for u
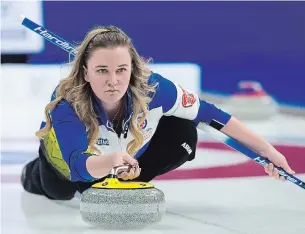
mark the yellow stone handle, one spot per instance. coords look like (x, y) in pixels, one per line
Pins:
(112, 182)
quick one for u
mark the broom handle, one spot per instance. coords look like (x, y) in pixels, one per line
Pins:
(257, 158)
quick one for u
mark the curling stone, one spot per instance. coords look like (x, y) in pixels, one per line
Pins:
(113, 204)
(251, 102)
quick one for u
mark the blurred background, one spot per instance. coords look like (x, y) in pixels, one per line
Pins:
(246, 57)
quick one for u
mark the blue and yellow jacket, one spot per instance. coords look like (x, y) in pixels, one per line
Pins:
(66, 145)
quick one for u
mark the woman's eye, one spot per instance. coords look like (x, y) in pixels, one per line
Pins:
(121, 69)
(102, 70)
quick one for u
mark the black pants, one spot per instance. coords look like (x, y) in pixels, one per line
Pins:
(172, 145)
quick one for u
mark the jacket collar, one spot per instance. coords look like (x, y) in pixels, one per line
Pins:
(103, 118)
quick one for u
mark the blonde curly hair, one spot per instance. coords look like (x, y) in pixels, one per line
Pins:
(79, 94)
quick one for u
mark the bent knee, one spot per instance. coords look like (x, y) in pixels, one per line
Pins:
(189, 151)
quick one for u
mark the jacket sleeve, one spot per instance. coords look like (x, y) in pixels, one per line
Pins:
(180, 102)
(72, 140)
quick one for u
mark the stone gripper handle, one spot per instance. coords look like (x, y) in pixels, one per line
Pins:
(116, 170)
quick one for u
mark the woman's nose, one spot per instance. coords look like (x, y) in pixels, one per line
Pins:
(113, 80)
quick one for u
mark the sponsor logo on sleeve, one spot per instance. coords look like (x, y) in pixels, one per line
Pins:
(188, 99)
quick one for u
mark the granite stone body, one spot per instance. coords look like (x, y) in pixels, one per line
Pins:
(122, 208)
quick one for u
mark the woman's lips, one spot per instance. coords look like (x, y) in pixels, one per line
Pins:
(111, 91)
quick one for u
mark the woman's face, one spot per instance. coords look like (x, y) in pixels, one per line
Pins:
(108, 72)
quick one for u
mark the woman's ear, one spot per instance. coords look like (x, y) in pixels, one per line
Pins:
(86, 74)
